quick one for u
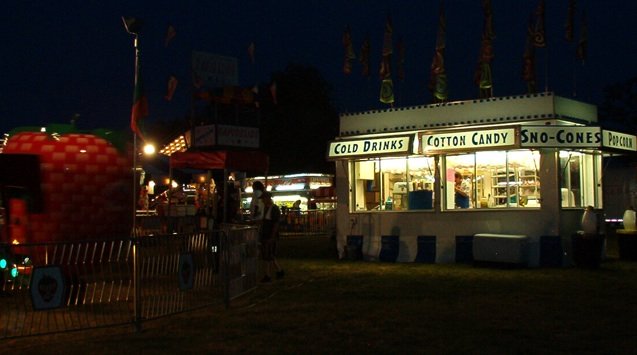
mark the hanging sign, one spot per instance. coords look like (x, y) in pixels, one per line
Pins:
(617, 140)
(560, 137)
(186, 271)
(398, 145)
(472, 140)
(47, 287)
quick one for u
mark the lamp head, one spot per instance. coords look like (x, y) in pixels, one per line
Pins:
(133, 25)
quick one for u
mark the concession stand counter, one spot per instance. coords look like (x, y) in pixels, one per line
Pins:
(527, 165)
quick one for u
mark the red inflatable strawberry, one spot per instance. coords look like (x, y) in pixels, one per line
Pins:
(86, 185)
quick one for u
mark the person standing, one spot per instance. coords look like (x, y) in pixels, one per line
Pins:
(462, 192)
(256, 204)
(270, 237)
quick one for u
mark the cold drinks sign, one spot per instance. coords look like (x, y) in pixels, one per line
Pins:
(398, 145)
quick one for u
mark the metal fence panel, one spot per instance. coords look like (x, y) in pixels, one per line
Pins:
(177, 273)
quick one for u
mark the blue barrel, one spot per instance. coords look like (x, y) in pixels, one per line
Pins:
(464, 249)
(551, 251)
(426, 249)
(389, 247)
(354, 247)
(421, 200)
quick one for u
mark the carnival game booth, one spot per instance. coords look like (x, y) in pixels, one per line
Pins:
(527, 166)
(227, 161)
(313, 194)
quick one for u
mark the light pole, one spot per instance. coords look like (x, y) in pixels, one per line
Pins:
(132, 26)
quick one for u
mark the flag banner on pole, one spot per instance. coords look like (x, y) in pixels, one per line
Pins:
(170, 34)
(172, 86)
(140, 103)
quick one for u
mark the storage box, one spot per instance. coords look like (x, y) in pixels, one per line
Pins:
(500, 248)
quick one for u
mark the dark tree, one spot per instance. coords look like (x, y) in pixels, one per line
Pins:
(296, 129)
(619, 108)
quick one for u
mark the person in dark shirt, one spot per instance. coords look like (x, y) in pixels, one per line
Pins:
(270, 237)
(462, 199)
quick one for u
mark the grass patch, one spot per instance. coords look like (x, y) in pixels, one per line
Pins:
(327, 306)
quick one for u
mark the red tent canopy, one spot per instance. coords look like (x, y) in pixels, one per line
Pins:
(249, 161)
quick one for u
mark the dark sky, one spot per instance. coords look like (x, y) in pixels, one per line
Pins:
(59, 60)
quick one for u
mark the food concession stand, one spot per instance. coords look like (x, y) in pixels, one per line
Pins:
(530, 164)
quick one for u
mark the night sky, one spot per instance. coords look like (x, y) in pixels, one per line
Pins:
(77, 58)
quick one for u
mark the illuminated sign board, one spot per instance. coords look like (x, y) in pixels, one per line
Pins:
(619, 140)
(451, 141)
(399, 145)
(560, 136)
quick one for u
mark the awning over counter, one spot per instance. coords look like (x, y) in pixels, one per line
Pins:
(249, 161)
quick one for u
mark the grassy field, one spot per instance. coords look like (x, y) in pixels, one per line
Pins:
(327, 306)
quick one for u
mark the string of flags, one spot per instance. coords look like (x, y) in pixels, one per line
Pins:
(483, 78)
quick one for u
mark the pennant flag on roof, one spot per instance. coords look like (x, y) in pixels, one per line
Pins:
(400, 47)
(251, 49)
(170, 34)
(349, 51)
(528, 69)
(539, 39)
(583, 39)
(172, 86)
(387, 91)
(570, 18)
(364, 57)
(438, 76)
(385, 63)
(140, 103)
(482, 77)
(273, 92)
(387, 85)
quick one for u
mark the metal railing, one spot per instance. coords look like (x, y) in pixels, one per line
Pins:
(308, 222)
(74, 285)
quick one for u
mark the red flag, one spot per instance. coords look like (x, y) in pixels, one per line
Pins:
(172, 85)
(251, 52)
(583, 39)
(140, 103)
(170, 34)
